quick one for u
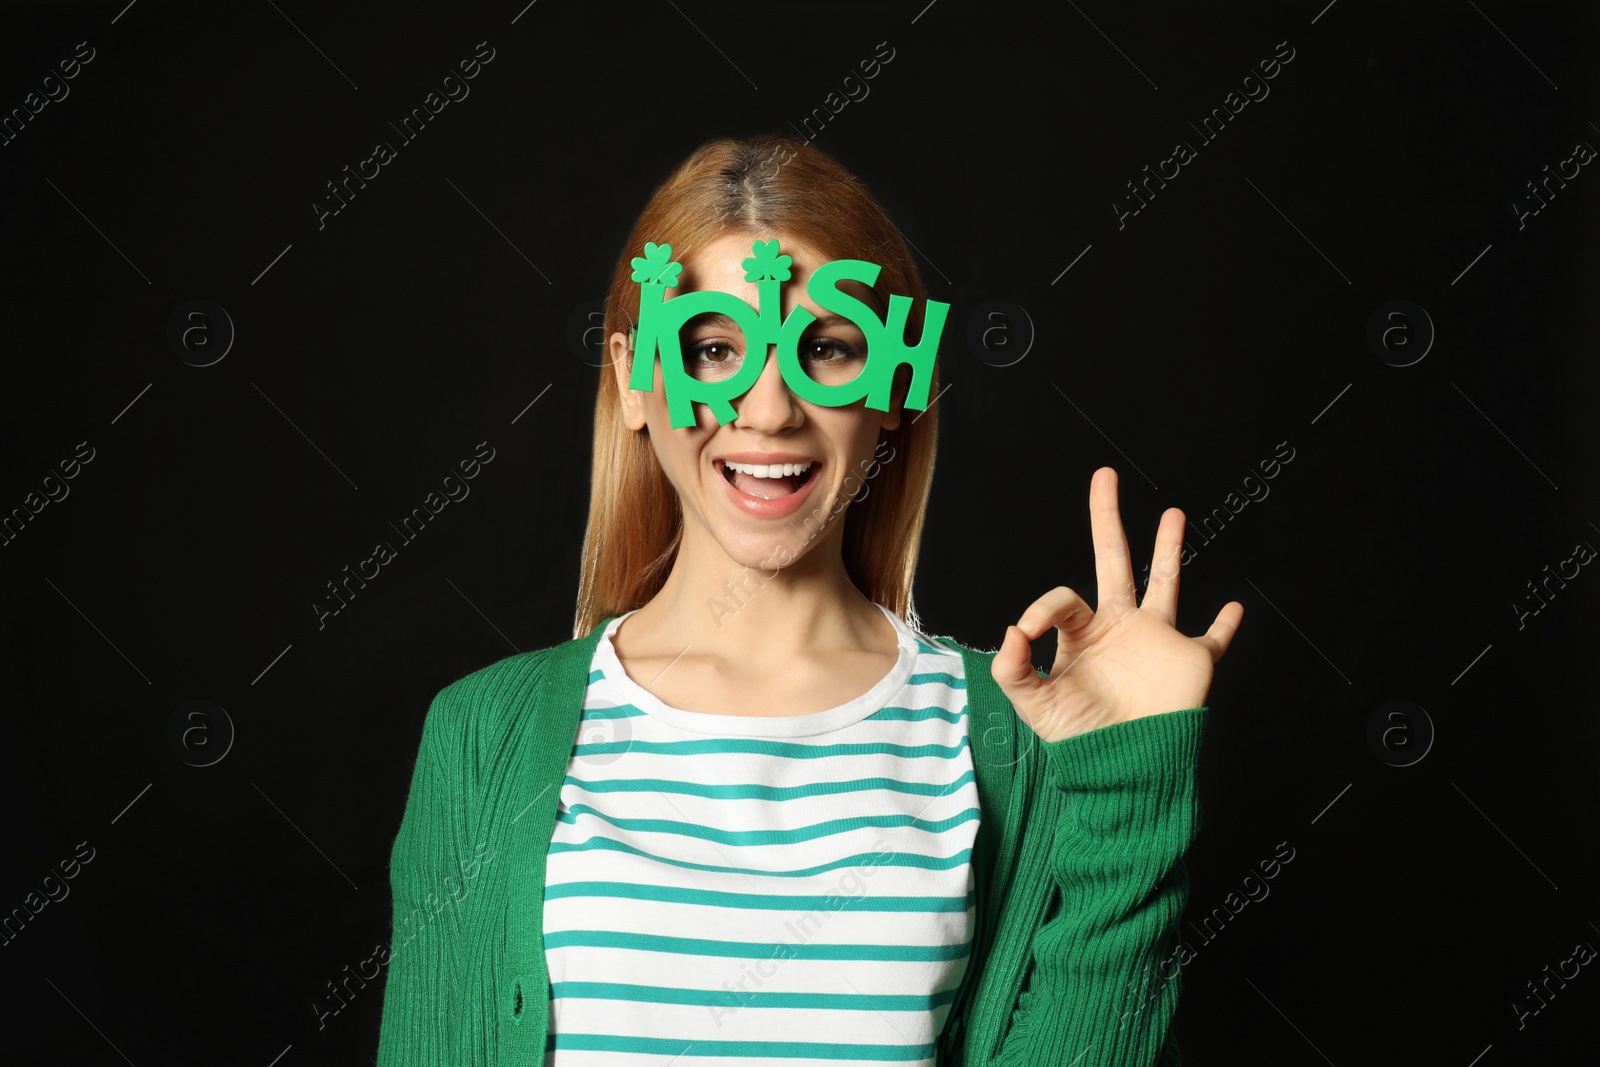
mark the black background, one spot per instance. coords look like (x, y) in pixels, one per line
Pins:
(1228, 316)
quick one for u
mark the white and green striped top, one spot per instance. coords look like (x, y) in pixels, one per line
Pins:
(729, 889)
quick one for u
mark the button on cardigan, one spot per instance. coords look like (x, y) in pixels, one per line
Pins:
(1078, 863)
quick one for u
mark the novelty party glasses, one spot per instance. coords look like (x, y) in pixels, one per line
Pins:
(824, 370)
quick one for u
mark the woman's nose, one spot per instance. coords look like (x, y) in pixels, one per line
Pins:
(769, 403)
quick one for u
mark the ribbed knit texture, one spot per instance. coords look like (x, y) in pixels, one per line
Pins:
(1078, 866)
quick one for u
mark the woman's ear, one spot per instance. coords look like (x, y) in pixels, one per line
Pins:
(631, 403)
(897, 394)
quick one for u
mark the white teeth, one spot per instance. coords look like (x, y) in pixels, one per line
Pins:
(768, 470)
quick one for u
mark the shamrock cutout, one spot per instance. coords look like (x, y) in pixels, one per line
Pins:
(657, 266)
(766, 264)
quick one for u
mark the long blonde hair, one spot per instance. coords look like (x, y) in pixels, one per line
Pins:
(765, 184)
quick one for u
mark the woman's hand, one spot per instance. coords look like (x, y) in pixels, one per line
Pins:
(1122, 660)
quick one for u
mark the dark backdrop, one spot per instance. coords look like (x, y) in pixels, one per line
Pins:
(1424, 472)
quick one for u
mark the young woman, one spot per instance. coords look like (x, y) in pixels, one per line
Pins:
(752, 812)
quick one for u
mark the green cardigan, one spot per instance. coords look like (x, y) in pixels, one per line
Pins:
(1078, 871)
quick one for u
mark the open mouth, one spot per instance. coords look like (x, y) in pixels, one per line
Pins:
(767, 482)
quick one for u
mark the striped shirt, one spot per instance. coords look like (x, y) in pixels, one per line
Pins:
(732, 889)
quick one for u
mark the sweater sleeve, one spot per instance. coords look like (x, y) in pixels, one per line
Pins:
(421, 1016)
(1103, 982)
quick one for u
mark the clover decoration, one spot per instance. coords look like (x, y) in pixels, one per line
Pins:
(766, 265)
(656, 272)
(657, 266)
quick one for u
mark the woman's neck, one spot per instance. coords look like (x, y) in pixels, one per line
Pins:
(757, 614)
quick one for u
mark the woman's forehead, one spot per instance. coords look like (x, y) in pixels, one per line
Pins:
(719, 264)
(723, 256)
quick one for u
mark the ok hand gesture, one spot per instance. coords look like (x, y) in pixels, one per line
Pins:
(1122, 660)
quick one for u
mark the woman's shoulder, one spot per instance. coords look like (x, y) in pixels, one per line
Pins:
(972, 657)
(976, 664)
(497, 678)
(978, 660)
(506, 688)
(952, 644)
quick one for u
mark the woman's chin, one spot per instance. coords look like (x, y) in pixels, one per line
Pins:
(765, 550)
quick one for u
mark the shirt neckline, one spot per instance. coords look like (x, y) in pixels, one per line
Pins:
(817, 722)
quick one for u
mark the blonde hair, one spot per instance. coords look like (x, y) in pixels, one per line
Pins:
(761, 184)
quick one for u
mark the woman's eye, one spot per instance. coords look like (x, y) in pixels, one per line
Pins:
(828, 350)
(714, 352)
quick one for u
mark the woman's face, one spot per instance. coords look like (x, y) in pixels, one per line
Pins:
(762, 521)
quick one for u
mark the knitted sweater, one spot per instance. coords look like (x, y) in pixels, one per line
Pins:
(1079, 878)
